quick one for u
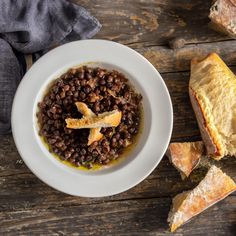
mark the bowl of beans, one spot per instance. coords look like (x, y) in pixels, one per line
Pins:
(95, 123)
(100, 90)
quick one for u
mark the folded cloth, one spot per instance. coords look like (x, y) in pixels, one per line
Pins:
(31, 26)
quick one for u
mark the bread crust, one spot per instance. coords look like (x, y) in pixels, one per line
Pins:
(212, 90)
(214, 187)
(223, 17)
(207, 137)
(185, 156)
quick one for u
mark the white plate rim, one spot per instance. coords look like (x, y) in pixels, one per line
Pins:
(111, 183)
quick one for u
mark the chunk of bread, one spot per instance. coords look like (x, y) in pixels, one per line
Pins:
(212, 90)
(185, 156)
(84, 110)
(214, 187)
(223, 17)
(94, 134)
(106, 119)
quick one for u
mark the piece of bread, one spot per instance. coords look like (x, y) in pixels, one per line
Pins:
(94, 134)
(212, 90)
(84, 110)
(223, 17)
(106, 119)
(214, 187)
(185, 156)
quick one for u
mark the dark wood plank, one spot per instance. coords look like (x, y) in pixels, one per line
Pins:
(30, 207)
(168, 60)
(146, 23)
(130, 217)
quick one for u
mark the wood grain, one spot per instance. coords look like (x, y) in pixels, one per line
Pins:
(129, 217)
(141, 23)
(168, 60)
(30, 207)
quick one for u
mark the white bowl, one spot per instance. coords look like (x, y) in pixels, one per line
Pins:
(153, 141)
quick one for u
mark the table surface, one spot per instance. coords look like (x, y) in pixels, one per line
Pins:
(29, 207)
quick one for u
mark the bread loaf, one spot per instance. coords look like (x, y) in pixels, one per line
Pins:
(223, 17)
(212, 90)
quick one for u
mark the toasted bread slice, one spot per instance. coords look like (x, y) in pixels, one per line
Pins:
(94, 134)
(84, 110)
(106, 119)
(212, 90)
(214, 187)
(185, 156)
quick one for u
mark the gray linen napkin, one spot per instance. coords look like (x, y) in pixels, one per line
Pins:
(30, 26)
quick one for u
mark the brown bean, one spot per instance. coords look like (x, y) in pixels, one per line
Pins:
(88, 76)
(82, 95)
(51, 141)
(81, 75)
(117, 136)
(82, 82)
(66, 87)
(87, 89)
(105, 143)
(97, 91)
(115, 107)
(103, 88)
(96, 107)
(83, 151)
(121, 142)
(94, 153)
(109, 85)
(117, 80)
(110, 79)
(127, 135)
(102, 81)
(109, 132)
(59, 144)
(76, 94)
(67, 154)
(81, 158)
(101, 73)
(89, 158)
(69, 93)
(78, 163)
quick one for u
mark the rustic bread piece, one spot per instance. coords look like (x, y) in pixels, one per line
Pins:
(223, 17)
(84, 110)
(185, 156)
(214, 187)
(94, 134)
(106, 119)
(212, 90)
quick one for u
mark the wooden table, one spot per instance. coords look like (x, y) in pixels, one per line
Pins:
(29, 207)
